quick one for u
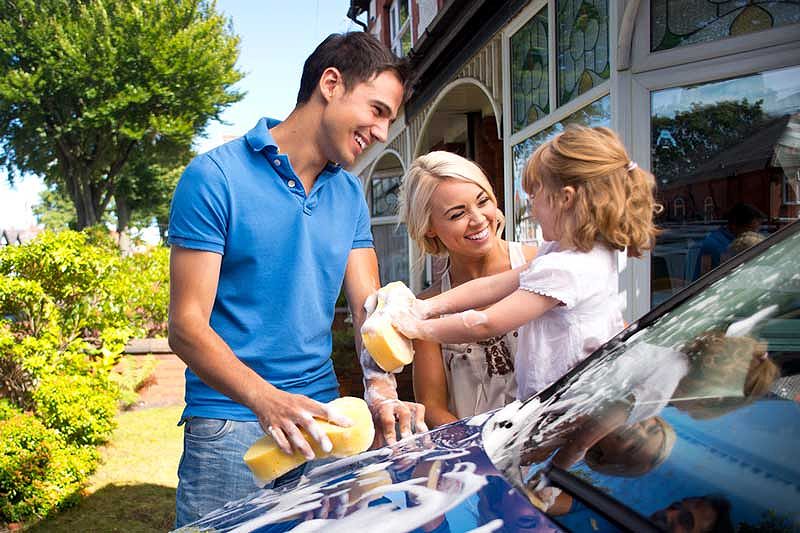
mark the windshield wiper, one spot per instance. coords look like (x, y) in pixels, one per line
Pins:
(617, 513)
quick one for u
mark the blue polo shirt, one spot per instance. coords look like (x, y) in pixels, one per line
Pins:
(283, 260)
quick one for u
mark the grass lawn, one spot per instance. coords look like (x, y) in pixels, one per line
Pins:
(134, 488)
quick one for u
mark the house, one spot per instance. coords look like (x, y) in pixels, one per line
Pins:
(492, 79)
(11, 236)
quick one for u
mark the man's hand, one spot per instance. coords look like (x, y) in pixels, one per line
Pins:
(388, 413)
(283, 414)
(387, 410)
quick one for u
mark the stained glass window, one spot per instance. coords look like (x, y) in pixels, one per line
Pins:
(598, 113)
(530, 99)
(582, 46)
(681, 22)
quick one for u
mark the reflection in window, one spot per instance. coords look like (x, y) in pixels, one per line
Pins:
(582, 46)
(529, 75)
(598, 113)
(708, 209)
(649, 419)
(391, 246)
(682, 22)
(718, 148)
(383, 194)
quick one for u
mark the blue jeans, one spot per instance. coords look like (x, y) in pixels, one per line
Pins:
(211, 472)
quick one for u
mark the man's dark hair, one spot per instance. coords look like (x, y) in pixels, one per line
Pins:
(359, 57)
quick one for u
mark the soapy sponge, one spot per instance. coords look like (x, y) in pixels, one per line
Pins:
(268, 462)
(388, 347)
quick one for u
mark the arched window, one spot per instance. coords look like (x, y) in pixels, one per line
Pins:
(708, 209)
(679, 209)
(391, 239)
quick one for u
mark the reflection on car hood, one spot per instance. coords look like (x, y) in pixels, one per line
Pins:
(439, 481)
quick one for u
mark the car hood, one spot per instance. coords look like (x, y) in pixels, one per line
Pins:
(438, 481)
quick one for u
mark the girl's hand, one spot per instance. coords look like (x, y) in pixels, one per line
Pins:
(408, 324)
(421, 309)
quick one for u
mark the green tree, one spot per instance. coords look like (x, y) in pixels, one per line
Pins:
(683, 142)
(84, 84)
(55, 210)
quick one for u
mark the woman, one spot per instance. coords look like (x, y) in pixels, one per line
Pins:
(450, 210)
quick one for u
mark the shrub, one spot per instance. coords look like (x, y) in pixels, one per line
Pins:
(39, 472)
(8, 409)
(68, 270)
(139, 292)
(131, 377)
(80, 407)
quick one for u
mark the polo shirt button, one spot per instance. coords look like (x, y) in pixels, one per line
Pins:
(277, 162)
(291, 183)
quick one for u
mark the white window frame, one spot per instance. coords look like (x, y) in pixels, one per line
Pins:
(556, 114)
(644, 60)
(682, 66)
(393, 220)
(786, 183)
(396, 32)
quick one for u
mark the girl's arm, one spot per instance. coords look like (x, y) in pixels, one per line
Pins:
(509, 313)
(430, 383)
(473, 294)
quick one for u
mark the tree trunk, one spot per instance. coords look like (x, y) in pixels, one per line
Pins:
(123, 221)
(84, 203)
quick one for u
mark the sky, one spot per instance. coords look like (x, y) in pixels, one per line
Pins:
(276, 37)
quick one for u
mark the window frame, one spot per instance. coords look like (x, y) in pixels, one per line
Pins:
(393, 220)
(678, 74)
(557, 113)
(643, 60)
(396, 30)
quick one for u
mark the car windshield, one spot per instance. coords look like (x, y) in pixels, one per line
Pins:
(686, 421)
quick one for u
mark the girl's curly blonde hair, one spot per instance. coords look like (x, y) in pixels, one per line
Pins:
(614, 198)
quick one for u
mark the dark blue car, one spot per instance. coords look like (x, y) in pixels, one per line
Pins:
(687, 421)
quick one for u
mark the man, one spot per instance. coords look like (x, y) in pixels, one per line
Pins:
(741, 218)
(264, 231)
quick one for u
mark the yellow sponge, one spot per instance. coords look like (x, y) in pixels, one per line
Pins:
(387, 346)
(268, 462)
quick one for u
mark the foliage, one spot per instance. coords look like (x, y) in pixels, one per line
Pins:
(68, 271)
(39, 472)
(85, 84)
(80, 407)
(8, 409)
(76, 284)
(700, 133)
(55, 210)
(139, 292)
(69, 302)
(130, 378)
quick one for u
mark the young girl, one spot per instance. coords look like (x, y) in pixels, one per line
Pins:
(450, 210)
(591, 201)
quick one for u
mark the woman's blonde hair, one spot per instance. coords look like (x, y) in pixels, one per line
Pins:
(614, 201)
(422, 179)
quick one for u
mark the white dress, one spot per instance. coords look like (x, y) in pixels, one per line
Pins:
(480, 375)
(591, 313)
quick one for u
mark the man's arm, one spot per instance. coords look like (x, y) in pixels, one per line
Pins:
(194, 276)
(361, 279)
